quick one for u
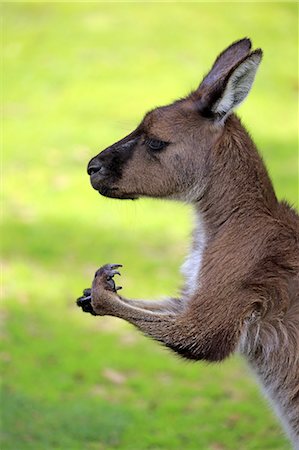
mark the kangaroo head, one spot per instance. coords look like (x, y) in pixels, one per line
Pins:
(167, 155)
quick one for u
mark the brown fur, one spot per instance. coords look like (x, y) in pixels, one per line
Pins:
(243, 294)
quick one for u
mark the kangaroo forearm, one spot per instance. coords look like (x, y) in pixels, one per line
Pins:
(193, 338)
(135, 311)
(162, 327)
(202, 329)
(166, 305)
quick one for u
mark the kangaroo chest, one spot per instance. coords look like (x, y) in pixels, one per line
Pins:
(192, 265)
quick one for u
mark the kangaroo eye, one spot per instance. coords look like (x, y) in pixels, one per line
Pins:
(155, 144)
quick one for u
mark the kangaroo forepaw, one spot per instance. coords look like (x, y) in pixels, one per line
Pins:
(84, 302)
(96, 300)
(104, 277)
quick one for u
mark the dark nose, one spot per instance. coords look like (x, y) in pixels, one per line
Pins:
(94, 166)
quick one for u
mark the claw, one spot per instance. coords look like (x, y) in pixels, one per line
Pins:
(87, 292)
(118, 288)
(115, 266)
(83, 300)
(84, 303)
(107, 272)
(79, 301)
(108, 268)
(114, 272)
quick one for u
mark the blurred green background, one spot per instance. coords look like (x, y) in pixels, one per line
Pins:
(77, 77)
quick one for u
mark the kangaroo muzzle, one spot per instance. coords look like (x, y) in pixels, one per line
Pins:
(106, 169)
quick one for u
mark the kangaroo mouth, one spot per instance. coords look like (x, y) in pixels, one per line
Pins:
(105, 187)
(112, 192)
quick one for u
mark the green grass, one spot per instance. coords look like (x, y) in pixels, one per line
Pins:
(78, 76)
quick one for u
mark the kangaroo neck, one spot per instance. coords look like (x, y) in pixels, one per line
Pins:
(237, 184)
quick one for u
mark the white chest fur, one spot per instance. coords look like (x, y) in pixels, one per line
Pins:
(191, 267)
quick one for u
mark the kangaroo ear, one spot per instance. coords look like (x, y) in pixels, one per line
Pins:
(226, 61)
(238, 85)
(229, 81)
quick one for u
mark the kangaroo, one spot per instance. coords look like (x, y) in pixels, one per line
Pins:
(241, 290)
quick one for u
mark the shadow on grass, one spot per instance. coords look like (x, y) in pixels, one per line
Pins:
(55, 394)
(70, 385)
(71, 424)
